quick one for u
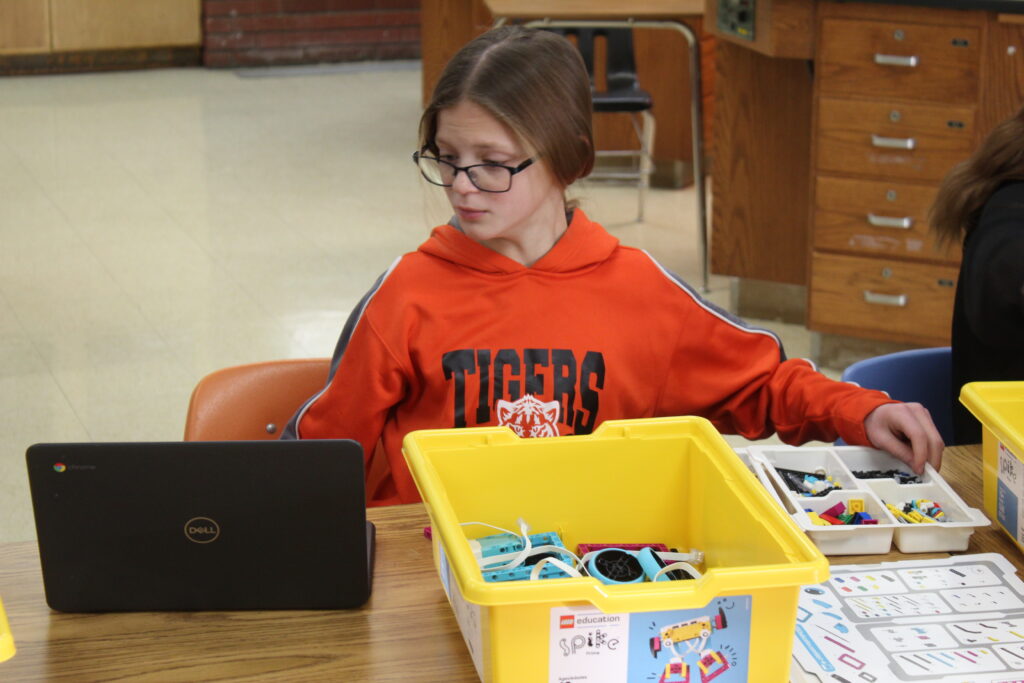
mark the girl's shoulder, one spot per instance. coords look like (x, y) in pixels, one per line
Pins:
(1004, 211)
(1010, 191)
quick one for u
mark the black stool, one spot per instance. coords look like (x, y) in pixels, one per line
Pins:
(622, 94)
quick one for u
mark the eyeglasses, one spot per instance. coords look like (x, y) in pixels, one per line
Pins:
(485, 177)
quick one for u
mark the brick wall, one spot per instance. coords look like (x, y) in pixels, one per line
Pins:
(266, 32)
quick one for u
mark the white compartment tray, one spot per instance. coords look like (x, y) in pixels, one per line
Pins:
(842, 463)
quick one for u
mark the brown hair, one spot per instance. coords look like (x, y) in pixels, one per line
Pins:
(967, 187)
(534, 82)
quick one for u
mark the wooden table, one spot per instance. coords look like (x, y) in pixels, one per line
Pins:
(659, 14)
(406, 632)
(407, 626)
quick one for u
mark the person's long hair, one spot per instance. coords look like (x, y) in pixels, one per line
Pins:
(967, 187)
(533, 81)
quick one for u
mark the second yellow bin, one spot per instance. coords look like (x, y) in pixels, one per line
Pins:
(667, 480)
(999, 406)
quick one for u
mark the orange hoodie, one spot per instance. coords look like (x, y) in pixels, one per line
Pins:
(458, 335)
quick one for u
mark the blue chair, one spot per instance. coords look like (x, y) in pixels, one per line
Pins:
(920, 376)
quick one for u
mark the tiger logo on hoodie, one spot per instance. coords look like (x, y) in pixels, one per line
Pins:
(529, 417)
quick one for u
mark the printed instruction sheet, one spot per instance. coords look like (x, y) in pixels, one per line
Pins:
(953, 620)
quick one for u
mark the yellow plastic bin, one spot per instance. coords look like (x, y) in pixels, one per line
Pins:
(668, 480)
(6, 639)
(999, 406)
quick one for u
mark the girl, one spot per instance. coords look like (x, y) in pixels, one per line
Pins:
(981, 202)
(523, 312)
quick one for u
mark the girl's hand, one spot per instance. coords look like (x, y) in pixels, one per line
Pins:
(906, 430)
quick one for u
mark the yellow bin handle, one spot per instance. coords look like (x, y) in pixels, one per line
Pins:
(6, 639)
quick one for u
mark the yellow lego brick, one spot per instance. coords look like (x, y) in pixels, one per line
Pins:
(917, 518)
(899, 514)
(855, 505)
(815, 519)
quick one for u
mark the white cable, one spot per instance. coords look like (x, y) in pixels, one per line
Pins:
(571, 571)
(693, 557)
(684, 566)
(535, 550)
(489, 526)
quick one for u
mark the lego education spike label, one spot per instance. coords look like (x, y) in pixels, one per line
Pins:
(1009, 492)
(711, 643)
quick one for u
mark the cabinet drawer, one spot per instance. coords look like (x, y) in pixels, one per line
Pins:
(24, 26)
(115, 24)
(887, 219)
(899, 60)
(888, 299)
(910, 141)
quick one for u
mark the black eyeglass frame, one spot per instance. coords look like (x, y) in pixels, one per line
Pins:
(512, 170)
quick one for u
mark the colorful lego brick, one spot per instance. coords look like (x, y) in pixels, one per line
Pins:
(836, 510)
(855, 505)
(918, 517)
(898, 514)
(815, 519)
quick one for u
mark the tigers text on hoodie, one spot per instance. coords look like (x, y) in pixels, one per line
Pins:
(458, 335)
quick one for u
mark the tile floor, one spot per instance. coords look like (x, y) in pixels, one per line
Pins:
(159, 225)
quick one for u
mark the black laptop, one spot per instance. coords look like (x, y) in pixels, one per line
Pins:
(202, 525)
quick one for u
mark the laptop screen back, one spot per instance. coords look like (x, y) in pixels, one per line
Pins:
(201, 525)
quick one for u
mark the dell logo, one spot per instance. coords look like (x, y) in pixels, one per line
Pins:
(202, 530)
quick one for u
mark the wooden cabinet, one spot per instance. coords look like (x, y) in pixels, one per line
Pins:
(24, 26)
(895, 107)
(114, 24)
(895, 96)
(53, 26)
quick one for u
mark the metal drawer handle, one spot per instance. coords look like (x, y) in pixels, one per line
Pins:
(893, 143)
(885, 299)
(896, 60)
(890, 222)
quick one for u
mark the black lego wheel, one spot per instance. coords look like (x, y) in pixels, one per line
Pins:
(617, 566)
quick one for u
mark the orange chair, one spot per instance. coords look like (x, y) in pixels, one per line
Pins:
(255, 401)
